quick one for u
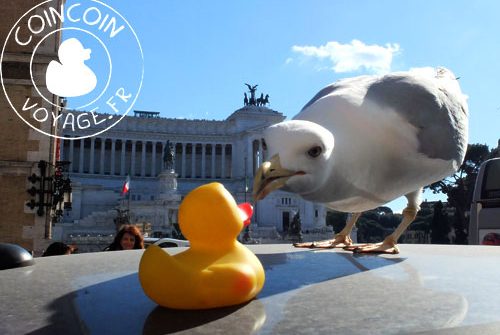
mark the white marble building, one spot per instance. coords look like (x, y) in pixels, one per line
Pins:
(227, 151)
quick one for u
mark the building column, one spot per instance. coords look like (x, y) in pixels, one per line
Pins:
(132, 159)
(183, 161)
(71, 152)
(261, 155)
(193, 160)
(143, 159)
(92, 152)
(232, 161)
(250, 158)
(122, 158)
(213, 161)
(163, 144)
(153, 159)
(103, 149)
(82, 149)
(175, 156)
(203, 159)
(113, 149)
(61, 149)
(223, 160)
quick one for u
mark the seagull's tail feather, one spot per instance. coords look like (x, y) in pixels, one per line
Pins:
(449, 82)
(457, 104)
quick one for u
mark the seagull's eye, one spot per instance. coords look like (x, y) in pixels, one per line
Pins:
(315, 151)
(264, 144)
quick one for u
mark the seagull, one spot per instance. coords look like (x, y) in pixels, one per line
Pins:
(362, 142)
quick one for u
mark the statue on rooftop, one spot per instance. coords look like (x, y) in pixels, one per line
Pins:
(266, 100)
(252, 90)
(260, 100)
(169, 156)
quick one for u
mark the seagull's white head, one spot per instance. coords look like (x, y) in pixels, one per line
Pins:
(300, 161)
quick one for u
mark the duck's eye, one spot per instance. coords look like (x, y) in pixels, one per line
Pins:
(264, 144)
(315, 151)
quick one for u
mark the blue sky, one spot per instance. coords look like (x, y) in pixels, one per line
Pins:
(199, 54)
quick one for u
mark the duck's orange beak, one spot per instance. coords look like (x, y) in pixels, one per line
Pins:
(246, 212)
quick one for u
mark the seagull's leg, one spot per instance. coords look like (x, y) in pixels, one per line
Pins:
(389, 245)
(340, 240)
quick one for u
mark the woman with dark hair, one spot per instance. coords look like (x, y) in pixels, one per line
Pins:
(59, 248)
(128, 237)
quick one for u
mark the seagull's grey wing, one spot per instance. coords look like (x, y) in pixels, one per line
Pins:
(324, 92)
(428, 107)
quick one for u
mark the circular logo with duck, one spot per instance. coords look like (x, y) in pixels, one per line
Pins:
(74, 57)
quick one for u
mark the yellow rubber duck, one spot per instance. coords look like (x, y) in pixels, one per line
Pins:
(216, 270)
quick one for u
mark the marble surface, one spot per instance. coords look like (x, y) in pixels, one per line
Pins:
(426, 289)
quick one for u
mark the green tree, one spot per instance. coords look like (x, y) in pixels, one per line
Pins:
(370, 230)
(460, 186)
(440, 225)
(373, 225)
(495, 152)
(389, 220)
(336, 219)
(422, 222)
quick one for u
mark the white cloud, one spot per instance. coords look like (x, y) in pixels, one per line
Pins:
(353, 56)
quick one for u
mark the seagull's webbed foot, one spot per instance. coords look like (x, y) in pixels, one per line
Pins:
(340, 241)
(386, 247)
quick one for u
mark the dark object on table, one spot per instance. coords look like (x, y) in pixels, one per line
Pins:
(14, 256)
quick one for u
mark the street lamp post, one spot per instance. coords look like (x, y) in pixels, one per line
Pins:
(50, 191)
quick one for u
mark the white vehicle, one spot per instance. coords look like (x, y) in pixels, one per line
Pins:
(165, 242)
(484, 226)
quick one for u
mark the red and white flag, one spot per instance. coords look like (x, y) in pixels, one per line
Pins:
(126, 185)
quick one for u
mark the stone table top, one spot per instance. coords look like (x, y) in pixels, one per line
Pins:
(426, 289)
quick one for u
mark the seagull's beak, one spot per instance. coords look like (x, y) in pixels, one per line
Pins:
(271, 176)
